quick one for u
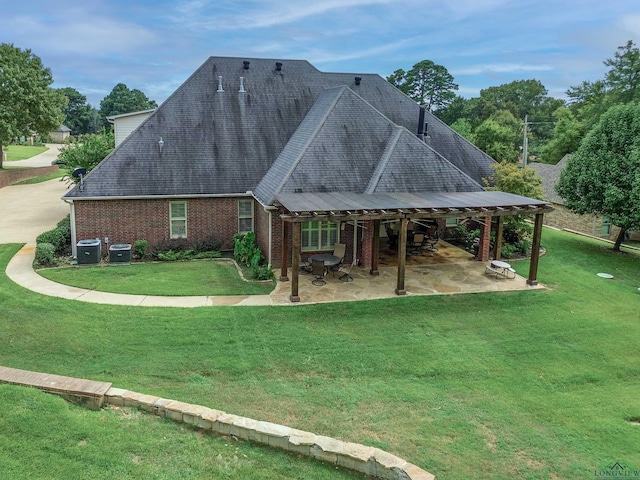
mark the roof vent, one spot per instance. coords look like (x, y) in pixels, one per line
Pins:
(245, 64)
(220, 89)
(358, 80)
(241, 90)
(279, 66)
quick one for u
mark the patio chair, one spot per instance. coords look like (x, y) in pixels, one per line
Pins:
(392, 238)
(416, 243)
(339, 250)
(432, 238)
(318, 271)
(305, 266)
(346, 273)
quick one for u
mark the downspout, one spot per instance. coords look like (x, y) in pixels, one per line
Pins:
(72, 221)
(270, 242)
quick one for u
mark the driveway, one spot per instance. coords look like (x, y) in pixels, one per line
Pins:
(29, 210)
(42, 160)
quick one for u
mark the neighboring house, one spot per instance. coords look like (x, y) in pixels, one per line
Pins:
(300, 157)
(61, 134)
(563, 218)
(126, 123)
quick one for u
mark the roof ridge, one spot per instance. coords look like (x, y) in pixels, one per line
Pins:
(384, 160)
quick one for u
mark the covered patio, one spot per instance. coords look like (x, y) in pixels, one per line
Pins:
(450, 270)
(373, 209)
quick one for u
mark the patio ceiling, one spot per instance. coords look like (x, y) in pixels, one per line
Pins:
(337, 206)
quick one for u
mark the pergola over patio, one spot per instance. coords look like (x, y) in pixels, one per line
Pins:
(296, 208)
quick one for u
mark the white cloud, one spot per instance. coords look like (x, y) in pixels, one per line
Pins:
(501, 68)
(220, 15)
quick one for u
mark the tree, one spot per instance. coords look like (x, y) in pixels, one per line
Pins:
(454, 111)
(27, 102)
(588, 101)
(510, 177)
(427, 83)
(567, 133)
(122, 100)
(86, 153)
(498, 136)
(621, 84)
(464, 128)
(603, 176)
(80, 117)
(623, 79)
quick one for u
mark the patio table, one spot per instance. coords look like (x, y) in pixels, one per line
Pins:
(501, 269)
(328, 259)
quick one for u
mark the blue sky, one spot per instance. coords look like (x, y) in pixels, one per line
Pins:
(154, 45)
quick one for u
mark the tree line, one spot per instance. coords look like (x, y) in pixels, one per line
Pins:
(494, 121)
(28, 103)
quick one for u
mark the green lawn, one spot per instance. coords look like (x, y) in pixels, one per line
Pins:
(532, 384)
(22, 152)
(43, 437)
(197, 277)
(42, 178)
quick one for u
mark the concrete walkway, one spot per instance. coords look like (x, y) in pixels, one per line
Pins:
(20, 270)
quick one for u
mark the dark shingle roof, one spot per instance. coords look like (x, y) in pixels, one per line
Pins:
(225, 143)
(550, 174)
(346, 145)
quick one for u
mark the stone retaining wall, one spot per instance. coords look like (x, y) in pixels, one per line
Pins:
(368, 460)
(10, 176)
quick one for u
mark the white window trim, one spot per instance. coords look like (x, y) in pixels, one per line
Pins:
(172, 219)
(240, 217)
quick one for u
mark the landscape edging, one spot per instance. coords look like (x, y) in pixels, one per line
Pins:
(368, 460)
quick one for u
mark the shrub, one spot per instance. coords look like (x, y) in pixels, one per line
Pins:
(210, 244)
(183, 249)
(245, 249)
(64, 226)
(508, 250)
(45, 254)
(262, 272)
(53, 237)
(140, 249)
(174, 256)
(524, 246)
(209, 254)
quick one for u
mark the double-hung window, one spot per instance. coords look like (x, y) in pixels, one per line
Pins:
(319, 235)
(178, 219)
(245, 215)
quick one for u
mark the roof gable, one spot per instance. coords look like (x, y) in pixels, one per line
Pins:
(346, 145)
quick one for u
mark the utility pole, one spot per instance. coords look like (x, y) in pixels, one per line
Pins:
(525, 139)
(525, 142)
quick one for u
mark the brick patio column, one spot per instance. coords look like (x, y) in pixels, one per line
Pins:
(485, 240)
(367, 243)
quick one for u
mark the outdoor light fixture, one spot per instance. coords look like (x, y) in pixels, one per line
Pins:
(160, 144)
